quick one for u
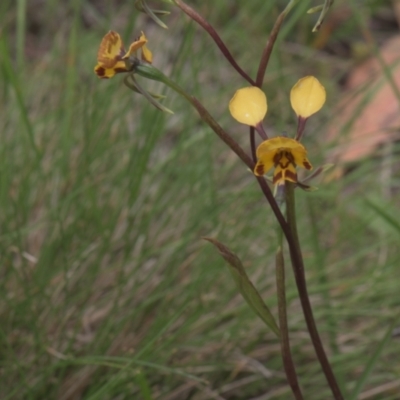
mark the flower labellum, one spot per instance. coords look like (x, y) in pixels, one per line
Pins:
(307, 96)
(248, 105)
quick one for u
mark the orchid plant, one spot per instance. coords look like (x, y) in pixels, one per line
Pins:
(281, 154)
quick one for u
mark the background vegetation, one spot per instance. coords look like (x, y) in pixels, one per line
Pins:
(107, 290)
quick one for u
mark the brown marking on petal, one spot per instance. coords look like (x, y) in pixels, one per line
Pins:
(259, 169)
(117, 70)
(283, 164)
(290, 157)
(100, 71)
(277, 158)
(290, 175)
(307, 165)
(284, 159)
(277, 177)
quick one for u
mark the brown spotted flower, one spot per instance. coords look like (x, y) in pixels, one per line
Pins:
(284, 155)
(112, 58)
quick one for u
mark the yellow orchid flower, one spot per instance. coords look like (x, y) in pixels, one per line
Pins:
(112, 57)
(285, 155)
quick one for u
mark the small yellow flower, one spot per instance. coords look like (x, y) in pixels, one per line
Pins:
(112, 57)
(307, 96)
(248, 106)
(284, 154)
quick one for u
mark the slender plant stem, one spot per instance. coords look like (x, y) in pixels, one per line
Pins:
(195, 16)
(283, 325)
(298, 268)
(253, 144)
(301, 124)
(270, 43)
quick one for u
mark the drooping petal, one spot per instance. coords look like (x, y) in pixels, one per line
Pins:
(300, 158)
(147, 55)
(248, 105)
(307, 96)
(265, 154)
(263, 166)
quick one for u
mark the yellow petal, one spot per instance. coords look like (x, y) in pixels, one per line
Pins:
(265, 160)
(111, 50)
(307, 96)
(249, 105)
(136, 45)
(300, 158)
(263, 166)
(147, 54)
(278, 143)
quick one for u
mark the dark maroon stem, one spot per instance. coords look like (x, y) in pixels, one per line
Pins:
(261, 131)
(253, 144)
(298, 269)
(195, 16)
(268, 49)
(301, 124)
(283, 325)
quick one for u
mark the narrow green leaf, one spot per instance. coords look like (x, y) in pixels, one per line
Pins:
(325, 8)
(134, 85)
(246, 288)
(153, 16)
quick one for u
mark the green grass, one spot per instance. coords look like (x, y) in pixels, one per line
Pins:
(107, 290)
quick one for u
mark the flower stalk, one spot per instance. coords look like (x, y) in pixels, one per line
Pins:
(283, 325)
(271, 42)
(298, 269)
(195, 16)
